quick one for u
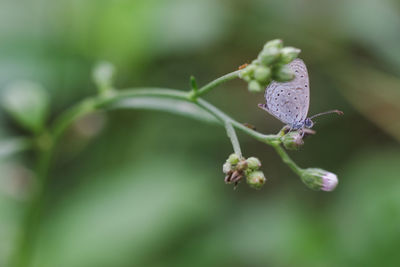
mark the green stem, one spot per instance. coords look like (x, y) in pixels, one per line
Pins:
(28, 233)
(234, 140)
(268, 139)
(211, 85)
(104, 101)
(286, 159)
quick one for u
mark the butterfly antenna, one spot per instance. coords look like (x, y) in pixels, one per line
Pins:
(327, 112)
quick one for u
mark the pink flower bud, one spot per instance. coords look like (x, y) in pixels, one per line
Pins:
(319, 179)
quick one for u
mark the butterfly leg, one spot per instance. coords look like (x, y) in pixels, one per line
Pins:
(285, 129)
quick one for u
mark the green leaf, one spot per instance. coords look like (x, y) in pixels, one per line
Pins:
(27, 102)
(173, 106)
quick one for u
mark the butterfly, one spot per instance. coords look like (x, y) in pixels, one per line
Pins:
(289, 101)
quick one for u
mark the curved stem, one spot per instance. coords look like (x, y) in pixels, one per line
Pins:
(268, 139)
(234, 140)
(104, 101)
(286, 159)
(211, 85)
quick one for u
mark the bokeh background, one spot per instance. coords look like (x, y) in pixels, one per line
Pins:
(145, 188)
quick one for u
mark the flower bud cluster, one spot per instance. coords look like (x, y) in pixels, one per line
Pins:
(236, 168)
(318, 179)
(292, 140)
(270, 65)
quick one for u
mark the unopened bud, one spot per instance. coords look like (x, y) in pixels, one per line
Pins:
(262, 74)
(256, 179)
(269, 55)
(233, 177)
(247, 73)
(255, 87)
(253, 163)
(277, 43)
(103, 75)
(283, 74)
(292, 140)
(226, 168)
(241, 166)
(318, 179)
(233, 159)
(288, 54)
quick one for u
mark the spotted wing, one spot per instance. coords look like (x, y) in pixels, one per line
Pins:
(289, 101)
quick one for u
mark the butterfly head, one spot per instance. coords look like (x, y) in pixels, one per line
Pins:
(308, 123)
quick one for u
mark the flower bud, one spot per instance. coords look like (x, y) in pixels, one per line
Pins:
(247, 73)
(226, 168)
(288, 54)
(269, 55)
(241, 166)
(103, 75)
(233, 159)
(256, 179)
(255, 87)
(277, 43)
(318, 179)
(233, 177)
(262, 74)
(283, 74)
(292, 140)
(253, 163)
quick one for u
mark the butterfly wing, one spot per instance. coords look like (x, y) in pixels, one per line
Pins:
(289, 101)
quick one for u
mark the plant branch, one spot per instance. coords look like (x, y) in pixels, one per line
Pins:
(106, 101)
(234, 140)
(211, 85)
(286, 159)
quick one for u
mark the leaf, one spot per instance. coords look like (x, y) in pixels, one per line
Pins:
(173, 106)
(27, 102)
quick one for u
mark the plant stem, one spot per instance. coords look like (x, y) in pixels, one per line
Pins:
(268, 139)
(286, 159)
(211, 85)
(234, 140)
(104, 101)
(25, 242)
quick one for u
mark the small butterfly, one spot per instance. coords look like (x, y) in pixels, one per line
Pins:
(289, 101)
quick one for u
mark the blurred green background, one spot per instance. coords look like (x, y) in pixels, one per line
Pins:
(144, 188)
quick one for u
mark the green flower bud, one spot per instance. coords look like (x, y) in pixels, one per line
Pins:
(233, 159)
(318, 179)
(226, 168)
(255, 87)
(283, 74)
(253, 163)
(277, 43)
(256, 179)
(269, 55)
(288, 54)
(103, 75)
(248, 71)
(292, 140)
(262, 74)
